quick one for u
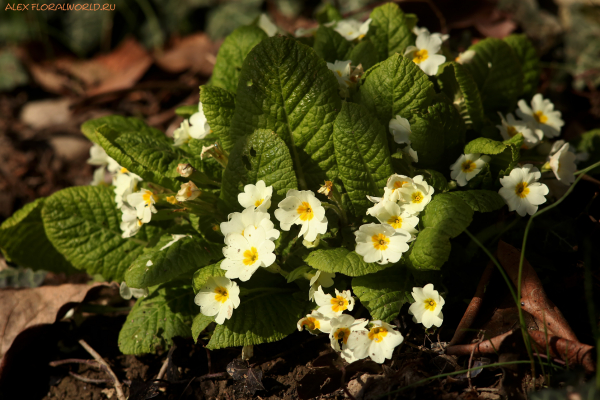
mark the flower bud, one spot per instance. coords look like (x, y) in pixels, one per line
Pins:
(185, 170)
(188, 191)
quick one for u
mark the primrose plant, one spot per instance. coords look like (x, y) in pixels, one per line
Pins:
(317, 175)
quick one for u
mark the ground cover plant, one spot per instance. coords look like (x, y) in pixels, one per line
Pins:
(344, 165)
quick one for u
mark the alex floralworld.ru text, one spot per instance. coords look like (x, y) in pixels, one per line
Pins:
(59, 7)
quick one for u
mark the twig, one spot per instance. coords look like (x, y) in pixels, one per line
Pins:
(91, 363)
(480, 339)
(88, 380)
(97, 357)
(163, 369)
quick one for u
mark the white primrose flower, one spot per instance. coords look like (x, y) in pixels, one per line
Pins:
(265, 23)
(378, 342)
(416, 195)
(238, 222)
(402, 221)
(427, 308)
(333, 306)
(182, 135)
(321, 278)
(99, 157)
(176, 238)
(418, 30)
(465, 57)
(302, 208)
(351, 29)
(411, 153)
(563, 164)
(188, 191)
(512, 126)
(196, 127)
(394, 183)
(127, 292)
(219, 296)
(258, 195)
(314, 322)
(98, 178)
(130, 223)
(341, 329)
(467, 166)
(381, 243)
(300, 32)
(400, 129)
(521, 190)
(245, 253)
(143, 201)
(341, 70)
(125, 184)
(541, 115)
(424, 53)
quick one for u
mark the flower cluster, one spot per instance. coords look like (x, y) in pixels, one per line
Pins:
(357, 339)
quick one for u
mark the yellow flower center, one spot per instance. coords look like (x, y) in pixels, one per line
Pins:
(540, 117)
(398, 185)
(258, 202)
(378, 333)
(380, 241)
(311, 323)
(339, 304)
(342, 334)
(395, 221)
(361, 36)
(250, 256)
(139, 222)
(417, 197)
(172, 200)
(149, 198)
(221, 294)
(511, 130)
(339, 73)
(522, 190)
(420, 56)
(430, 304)
(306, 213)
(468, 166)
(123, 170)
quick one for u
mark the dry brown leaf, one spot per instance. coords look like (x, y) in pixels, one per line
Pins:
(25, 308)
(195, 52)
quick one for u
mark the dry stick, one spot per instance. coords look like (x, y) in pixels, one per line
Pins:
(163, 369)
(98, 357)
(88, 380)
(91, 363)
(480, 339)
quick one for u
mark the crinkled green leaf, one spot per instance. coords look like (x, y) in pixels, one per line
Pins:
(232, 54)
(448, 213)
(285, 87)
(484, 146)
(362, 154)
(202, 275)
(152, 323)
(389, 30)
(330, 45)
(430, 250)
(434, 178)
(158, 265)
(199, 324)
(267, 314)
(342, 260)
(83, 224)
(218, 106)
(458, 84)
(505, 154)
(298, 273)
(364, 53)
(529, 60)
(24, 231)
(497, 73)
(121, 125)
(589, 142)
(384, 292)
(396, 86)
(481, 200)
(438, 135)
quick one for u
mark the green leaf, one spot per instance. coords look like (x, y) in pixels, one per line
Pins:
(362, 154)
(364, 53)
(218, 106)
(327, 13)
(438, 136)
(506, 154)
(430, 250)
(298, 273)
(260, 156)
(152, 323)
(199, 324)
(434, 178)
(384, 292)
(330, 45)
(396, 86)
(497, 73)
(481, 200)
(484, 146)
(83, 224)
(389, 30)
(589, 142)
(342, 260)
(202, 275)
(121, 125)
(529, 60)
(232, 54)
(187, 111)
(458, 84)
(156, 266)
(285, 87)
(24, 231)
(447, 213)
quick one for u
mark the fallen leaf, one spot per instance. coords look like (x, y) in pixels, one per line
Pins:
(195, 52)
(250, 378)
(44, 113)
